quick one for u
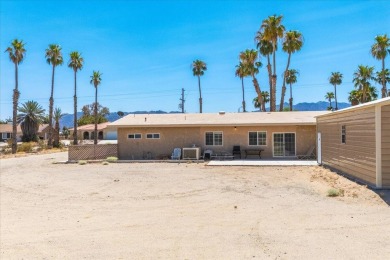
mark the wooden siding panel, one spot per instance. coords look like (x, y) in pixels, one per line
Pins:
(357, 156)
(385, 146)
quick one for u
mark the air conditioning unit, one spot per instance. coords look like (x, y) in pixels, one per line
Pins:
(191, 153)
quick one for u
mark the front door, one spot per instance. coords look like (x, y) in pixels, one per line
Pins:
(284, 144)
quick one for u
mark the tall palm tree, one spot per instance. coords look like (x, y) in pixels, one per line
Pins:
(272, 30)
(329, 96)
(16, 54)
(57, 117)
(292, 42)
(249, 59)
(379, 51)
(53, 57)
(361, 79)
(30, 116)
(265, 49)
(95, 81)
(76, 63)
(291, 78)
(198, 69)
(336, 78)
(241, 71)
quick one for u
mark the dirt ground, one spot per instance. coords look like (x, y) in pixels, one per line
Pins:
(185, 211)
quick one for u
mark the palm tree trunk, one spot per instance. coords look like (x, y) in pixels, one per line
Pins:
(56, 142)
(284, 84)
(14, 111)
(200, 95)
(51, 104)
(330, 102)
(384, 89)
(75, 111)
(291, 98)
(335, 97)
(95, 112)
(273, 92)
(243, 95)
(258, 91)
(269, 68)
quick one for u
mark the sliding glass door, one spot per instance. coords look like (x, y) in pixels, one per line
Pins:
(284, 144)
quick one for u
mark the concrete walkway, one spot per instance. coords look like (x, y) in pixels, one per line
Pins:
(263, 163)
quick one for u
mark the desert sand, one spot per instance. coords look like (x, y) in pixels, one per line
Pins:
(185, 211)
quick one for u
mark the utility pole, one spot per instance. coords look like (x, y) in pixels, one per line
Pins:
(181, 105)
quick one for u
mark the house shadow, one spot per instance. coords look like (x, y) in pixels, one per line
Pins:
(383, 194)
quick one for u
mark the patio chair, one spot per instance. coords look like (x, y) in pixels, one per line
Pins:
(176, 154)
(309, 155)
(237, 150)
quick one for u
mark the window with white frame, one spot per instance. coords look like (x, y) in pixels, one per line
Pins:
(214, 138)
(257, 138)
(134, 136)
(343, 134)
(153, 136)
(6, 136)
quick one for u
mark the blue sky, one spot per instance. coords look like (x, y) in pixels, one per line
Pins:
(145, 49)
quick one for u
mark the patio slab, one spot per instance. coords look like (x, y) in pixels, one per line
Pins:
(263, 163)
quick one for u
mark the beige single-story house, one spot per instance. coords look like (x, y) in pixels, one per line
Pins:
(43, 131)
(273, 134)
(86, 132)
(6, 132)
(356, 141)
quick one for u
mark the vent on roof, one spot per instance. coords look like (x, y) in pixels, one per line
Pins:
(221, 112)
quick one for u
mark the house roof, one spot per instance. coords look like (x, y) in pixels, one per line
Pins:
(91, 127)
(378, 102)
(7, 128)
(42, 127)
(218, 119)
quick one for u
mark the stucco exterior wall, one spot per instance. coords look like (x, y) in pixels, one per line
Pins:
(188, 136)
(385, 146)
(357, 157)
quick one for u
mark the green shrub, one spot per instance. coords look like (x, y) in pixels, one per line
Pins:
(25, 147)
(112, 159)
(82, 162)
(105, 163)
(335, 192)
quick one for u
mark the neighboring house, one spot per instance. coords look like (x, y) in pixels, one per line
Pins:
(6, 132)
(356, 141)
(278, 134)
(86, 132)
(43, 131)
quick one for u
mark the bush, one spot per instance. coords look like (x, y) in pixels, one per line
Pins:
(82, 162)
(25, 147)
(335, 192)
(105, 163)
(112, 159)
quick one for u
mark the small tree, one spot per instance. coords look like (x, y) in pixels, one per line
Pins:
(30, 116)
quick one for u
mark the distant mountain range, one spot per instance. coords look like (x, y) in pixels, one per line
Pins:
(67, 119)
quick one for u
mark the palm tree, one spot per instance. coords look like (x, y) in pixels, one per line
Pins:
(335, 79)
(57, 117)
(30, 116)
(272, 30)
(265, 49)
(76, 63)
(249, 59)
(293, 42)
(329, 96)
(362, 79)
(291, 78)
(95, 81)
(16, 54)
(198, 69)
(379, 51)
(265, 96)
(242, 72)
(54, 57)
(355, 96)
